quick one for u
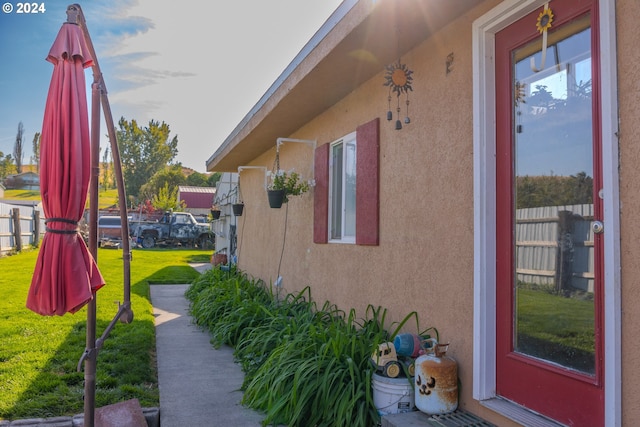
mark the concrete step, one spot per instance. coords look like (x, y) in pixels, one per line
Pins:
(419, 419)
(151, 415)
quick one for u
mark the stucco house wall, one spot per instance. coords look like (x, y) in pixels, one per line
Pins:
(628, 38)
(225, 226)
(425, 258)
(424, 262)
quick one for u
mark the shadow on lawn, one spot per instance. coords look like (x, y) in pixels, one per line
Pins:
(126, 364)
(126, 369)
(174, 274)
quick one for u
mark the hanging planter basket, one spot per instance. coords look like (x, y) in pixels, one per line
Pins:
(284, 184)
(215, 213)
(237, 208)
(276, 198)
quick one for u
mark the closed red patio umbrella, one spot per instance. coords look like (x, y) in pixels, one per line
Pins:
(66, 274)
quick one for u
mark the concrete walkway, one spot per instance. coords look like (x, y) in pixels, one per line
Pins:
(199, 385)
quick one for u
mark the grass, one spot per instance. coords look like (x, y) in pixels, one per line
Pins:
(22, 195)
(106, 198)
(556, 328)
(39, 355)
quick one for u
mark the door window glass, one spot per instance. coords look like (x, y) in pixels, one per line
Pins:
(553, 184)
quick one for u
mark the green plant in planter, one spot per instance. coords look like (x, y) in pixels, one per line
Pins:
(290, 182)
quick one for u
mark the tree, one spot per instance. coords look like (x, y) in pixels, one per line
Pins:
(144, 151)
(167, 199)
(197, 179)
(541, 96)
(213, 179)
(36, 151)
(6, 165)
(170, 176)
(17, 148)
(581, 188)
(536, 191)
(107, 180)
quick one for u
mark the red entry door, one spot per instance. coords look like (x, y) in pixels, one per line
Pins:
(549, 213)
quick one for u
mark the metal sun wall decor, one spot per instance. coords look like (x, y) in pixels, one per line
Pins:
(398, 77)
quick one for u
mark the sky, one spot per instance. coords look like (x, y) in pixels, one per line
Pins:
(197, 65)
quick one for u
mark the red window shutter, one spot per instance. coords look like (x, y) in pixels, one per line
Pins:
(321, 195)
(368, 183)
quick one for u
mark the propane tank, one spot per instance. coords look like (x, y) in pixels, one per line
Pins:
(436, 380)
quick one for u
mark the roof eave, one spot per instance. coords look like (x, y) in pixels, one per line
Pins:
(357, 41)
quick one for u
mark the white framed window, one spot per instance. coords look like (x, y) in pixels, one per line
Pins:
(342, 190)
(346, 206)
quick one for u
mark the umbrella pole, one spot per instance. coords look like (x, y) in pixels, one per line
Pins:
(91, 362)
(90, 366)
(124, 312)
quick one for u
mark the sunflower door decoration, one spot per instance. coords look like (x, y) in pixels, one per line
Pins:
(398, 77)
(543, 24)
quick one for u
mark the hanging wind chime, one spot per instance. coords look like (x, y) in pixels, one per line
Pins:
(519, 100)
(399, 78)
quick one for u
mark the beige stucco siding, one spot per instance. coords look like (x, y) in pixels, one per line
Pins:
(425, 259)
(424, 262)
(628, 12)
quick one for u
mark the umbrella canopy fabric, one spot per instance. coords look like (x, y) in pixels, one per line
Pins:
(66, 275)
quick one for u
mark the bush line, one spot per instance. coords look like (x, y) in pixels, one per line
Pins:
(304, 365)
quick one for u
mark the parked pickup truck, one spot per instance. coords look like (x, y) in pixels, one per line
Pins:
(173, 229)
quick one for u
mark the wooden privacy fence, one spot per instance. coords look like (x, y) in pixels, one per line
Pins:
(554, 244)
(554, 247)
(20, 226)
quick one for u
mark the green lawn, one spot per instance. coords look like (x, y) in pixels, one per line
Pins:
(39, 355)
(22, 195)
(106, 198)
(556, 328)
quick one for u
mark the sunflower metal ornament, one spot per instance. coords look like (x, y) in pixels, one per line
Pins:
(398, 77)
(544, 19)
(543, 24)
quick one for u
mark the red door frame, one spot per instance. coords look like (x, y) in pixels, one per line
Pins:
(562, 394)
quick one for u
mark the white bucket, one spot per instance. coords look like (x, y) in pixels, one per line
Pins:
(392, 395)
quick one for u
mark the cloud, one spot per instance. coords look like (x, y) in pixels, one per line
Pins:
(198, 65)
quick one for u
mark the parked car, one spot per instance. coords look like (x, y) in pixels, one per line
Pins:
(109, 231)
